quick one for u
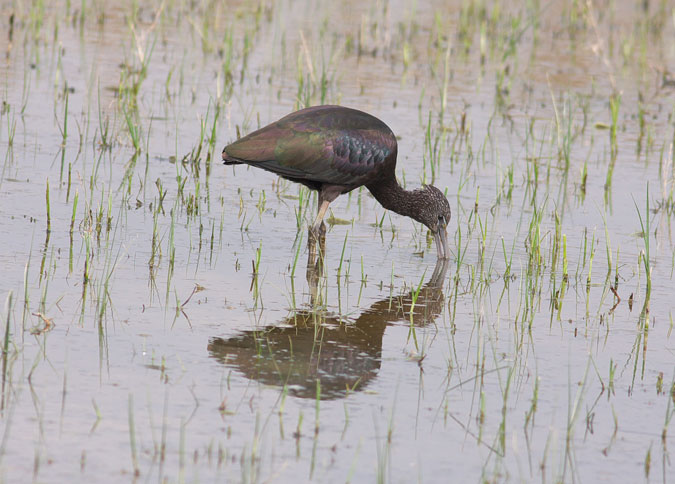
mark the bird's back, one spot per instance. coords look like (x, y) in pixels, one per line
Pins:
(320, 145)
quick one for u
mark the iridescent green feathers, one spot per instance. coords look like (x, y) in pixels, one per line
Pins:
(322, 144)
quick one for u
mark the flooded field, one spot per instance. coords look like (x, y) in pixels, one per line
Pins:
(161, 318)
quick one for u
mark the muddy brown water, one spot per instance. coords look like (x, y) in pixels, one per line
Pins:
(143, 347)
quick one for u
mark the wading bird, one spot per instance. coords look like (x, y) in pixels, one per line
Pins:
(333, 149)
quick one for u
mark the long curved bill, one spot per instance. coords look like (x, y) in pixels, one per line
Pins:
(441, 239)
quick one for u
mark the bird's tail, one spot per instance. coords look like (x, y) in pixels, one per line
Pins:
(228, 160)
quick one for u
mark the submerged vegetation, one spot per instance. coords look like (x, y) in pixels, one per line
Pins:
(157, 323)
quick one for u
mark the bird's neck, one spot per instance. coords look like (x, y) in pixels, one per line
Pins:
(393, 197)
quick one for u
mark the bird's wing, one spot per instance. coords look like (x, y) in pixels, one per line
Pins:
(325, 154)
(337, 157)
(362, 153)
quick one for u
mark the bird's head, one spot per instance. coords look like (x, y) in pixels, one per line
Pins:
(436, 216)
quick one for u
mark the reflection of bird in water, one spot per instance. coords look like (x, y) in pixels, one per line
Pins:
(333, 149)
(308, 346)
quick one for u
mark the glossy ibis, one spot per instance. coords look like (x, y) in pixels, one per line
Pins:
(333, 149)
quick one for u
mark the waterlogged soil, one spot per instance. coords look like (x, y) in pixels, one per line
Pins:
(162, 321)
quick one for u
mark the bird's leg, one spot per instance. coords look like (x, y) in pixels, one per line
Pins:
(315, 273)
(317, 232)
(322, 240)
(318, 227)
(312, 239)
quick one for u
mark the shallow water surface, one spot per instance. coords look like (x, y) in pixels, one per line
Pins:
(163, 320)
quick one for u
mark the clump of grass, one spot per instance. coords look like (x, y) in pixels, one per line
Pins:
(5, 347)
(255, 277)
(342, 255)
(64, 128)
(614, 105)
(133, 128)
(49, 211)
(132, 437)
(645, 254)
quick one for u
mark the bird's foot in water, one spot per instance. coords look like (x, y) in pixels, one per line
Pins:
(316, 234)
(315, 271)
